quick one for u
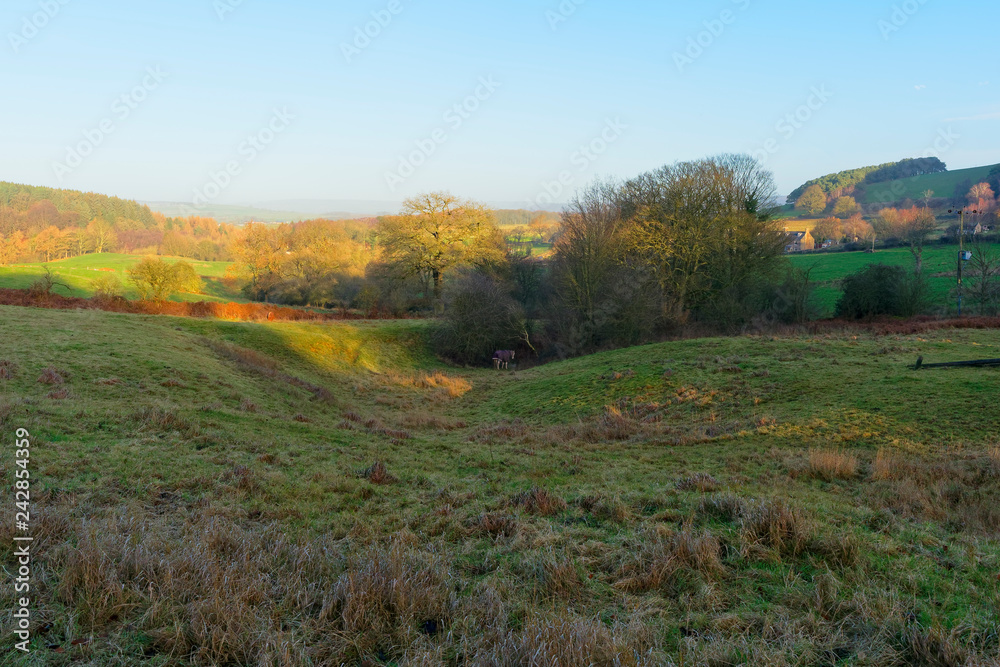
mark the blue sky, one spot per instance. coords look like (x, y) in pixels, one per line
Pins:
(870, 81)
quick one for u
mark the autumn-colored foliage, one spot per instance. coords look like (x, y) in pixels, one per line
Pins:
(202, 309)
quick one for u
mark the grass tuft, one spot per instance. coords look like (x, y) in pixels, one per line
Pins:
(377, 473)
(701, 481)
(52, 376)
(664, 558)
(538, 502)
(495, 524)
(832, 464)
(887, 466)
(772, 527)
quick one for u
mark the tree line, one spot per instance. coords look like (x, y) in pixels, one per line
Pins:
(689, 244)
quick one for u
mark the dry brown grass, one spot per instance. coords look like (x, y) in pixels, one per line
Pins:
(430, 422)
(700, 481)
(495, 524)
(242, 478)
(538, 502)
(772, 528)
(52, 376)
(164, 420)
(8, 369)
(994, 456)
(553, 575)
(663, 557)
(377, 473)
(388, 597)
(606, 508)
(887, 465)
(829, 464)
(454, 387)
(567, 642)
(726, 508)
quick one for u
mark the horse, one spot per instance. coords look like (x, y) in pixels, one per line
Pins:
(502, 358)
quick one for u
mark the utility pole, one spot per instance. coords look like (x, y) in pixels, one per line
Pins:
(962, 258)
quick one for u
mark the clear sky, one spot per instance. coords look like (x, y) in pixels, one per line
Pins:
(332, 115)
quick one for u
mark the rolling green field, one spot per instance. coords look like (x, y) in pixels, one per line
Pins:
(942, 184)
(940, 268)
(78, 274)
(209, 493)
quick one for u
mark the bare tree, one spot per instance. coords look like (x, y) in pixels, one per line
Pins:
(983, 272)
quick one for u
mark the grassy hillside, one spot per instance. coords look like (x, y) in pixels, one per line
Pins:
(78, 274)
(942, 184)
(940, 268)
(218, 493)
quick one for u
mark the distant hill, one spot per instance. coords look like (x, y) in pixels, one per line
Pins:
(865, 177)
(949, 184)
(27, 208)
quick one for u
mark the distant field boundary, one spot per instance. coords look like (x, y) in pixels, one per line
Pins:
(245, 312)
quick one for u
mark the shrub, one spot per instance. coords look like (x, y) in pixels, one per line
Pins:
(881, 290)
(42, 288)
(481, 317)
(108, 286)
(156, 279)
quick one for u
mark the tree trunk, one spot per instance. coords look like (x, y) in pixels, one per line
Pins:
(438, 279)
